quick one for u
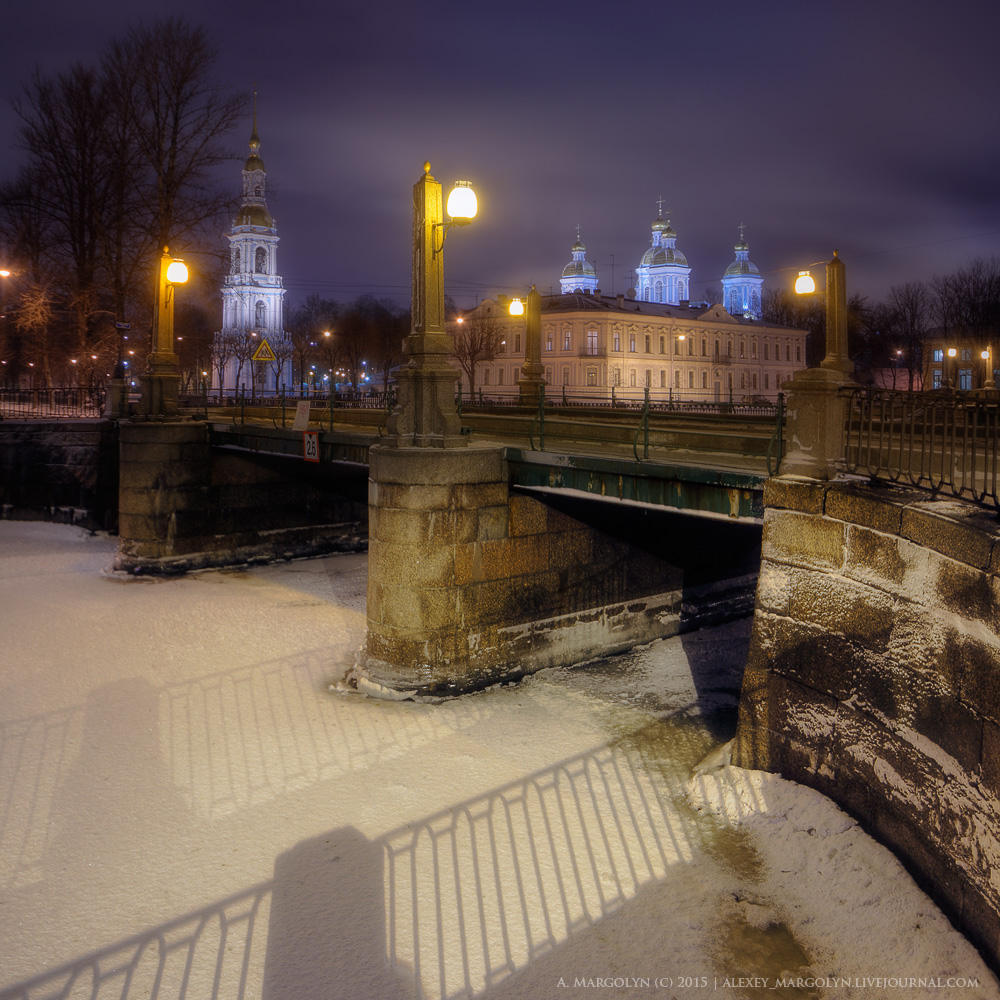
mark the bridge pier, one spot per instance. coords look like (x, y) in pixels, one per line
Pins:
(471, 583)
(874, 676)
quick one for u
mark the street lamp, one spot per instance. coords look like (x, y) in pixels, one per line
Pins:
(987, 356)
(161, 382)
(836, 358)
(425, 414)
(531, 382)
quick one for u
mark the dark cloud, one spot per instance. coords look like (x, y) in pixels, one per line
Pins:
(866, 126)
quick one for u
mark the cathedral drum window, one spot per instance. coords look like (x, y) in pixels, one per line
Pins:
(260, 260)
(236, 260)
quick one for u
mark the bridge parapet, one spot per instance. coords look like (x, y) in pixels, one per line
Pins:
(874, 675)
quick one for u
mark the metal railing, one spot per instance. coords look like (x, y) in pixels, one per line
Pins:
(41, 404)
(944, 443)
(660, 400)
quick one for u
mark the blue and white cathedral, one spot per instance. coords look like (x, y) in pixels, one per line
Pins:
(252, 294)
(663, 274)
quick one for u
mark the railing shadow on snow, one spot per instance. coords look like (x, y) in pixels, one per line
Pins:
(446, 907)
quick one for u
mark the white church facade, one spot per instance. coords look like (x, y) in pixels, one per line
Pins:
(252, 352)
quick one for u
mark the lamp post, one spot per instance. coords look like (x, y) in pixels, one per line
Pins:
(836, 358)
(161, 382)
(425, 414)
(531, 383)
(989, 382)
(817, 406)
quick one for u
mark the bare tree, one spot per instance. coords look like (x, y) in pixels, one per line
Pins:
(176, 118)
(968, 305)
(60, 118)
(477, 339)
(910, 304)
(34, 320)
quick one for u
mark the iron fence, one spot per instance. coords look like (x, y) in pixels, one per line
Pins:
(73, 401)
(944, 443)
(627, 399)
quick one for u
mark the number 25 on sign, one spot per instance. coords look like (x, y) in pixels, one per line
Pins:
(310, 446)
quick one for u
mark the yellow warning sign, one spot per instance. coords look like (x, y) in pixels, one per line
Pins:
(264, 352)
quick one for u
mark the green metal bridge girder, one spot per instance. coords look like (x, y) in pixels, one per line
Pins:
(686, 489)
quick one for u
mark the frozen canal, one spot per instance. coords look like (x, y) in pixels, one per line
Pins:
(186, 805)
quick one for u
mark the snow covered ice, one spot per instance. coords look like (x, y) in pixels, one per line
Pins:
(185, 804)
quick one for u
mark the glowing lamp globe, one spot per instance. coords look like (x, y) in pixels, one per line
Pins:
(985, 355)
(952, 352)
(177, 272)
(462, 204)
(516, 307)
(805, 284)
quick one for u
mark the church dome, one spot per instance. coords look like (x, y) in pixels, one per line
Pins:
(254, 162)
(254, 215)
(742, 265)
(661, 255)
(579, 268)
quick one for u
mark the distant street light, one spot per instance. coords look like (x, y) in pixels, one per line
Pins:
(531, 383)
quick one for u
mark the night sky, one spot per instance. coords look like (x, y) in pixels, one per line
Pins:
(874, 130)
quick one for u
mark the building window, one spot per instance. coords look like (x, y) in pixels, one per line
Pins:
(798, 352)
(567, 340)
(939, 355)
(591, 341)
(548, 340)
(753, 380)
(690, 347)
(260, 260)
(788, 352)
(729, 350)
(517, 343)
(617, 341)
(704, 380)
(591, 376)
(260, 312)
(690, 380)
(965, 378)
(548, 376)
(743, 349)
(647, 343)
(616, 376)
(648, 383)
(565, 376)
(966, 354)
(631, 377)
(631, 342)
(753, 349)
(486, 376)
(663, 378)
(704, 347)
(236, 260)
(766, 352)
(677, 379)
(743, 380)
(767, 378)
(662, 345)
(937, 378)
(499, 376)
